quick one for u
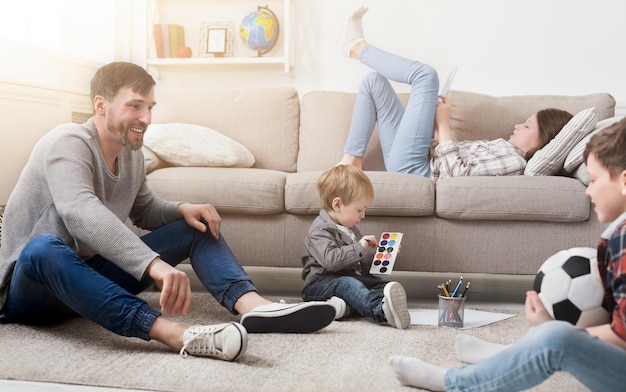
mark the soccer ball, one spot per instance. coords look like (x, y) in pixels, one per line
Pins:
(570, 287)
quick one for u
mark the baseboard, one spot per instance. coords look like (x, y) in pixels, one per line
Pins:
(420, 286)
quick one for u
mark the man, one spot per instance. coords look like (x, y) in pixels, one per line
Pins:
(66, 250)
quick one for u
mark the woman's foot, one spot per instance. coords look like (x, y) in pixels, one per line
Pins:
(353, 32)
(348, 159)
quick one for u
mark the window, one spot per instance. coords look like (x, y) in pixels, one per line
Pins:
(78, 28)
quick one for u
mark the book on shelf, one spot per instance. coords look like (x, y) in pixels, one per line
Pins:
(177, 39)
(158, 40)
(168, 38)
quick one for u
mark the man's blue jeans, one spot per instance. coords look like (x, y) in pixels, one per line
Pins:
(364, 294)
(51, 283)
(547, 348)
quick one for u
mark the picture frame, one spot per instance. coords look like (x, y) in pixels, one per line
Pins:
(216, 39)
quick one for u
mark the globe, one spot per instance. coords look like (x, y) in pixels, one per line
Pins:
(259, 30)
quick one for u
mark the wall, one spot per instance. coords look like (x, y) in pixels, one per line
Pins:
(41, 86)
(38, 90)
(502, 47)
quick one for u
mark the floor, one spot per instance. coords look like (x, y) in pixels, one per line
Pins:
(29, 386)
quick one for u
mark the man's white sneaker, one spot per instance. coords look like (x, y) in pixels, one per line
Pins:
(395, 307)
(303, 317)
(341, 307)
(226, 341)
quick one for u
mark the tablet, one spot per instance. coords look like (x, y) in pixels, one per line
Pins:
(445, 87)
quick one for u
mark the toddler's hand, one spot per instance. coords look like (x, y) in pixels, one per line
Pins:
(368, 242)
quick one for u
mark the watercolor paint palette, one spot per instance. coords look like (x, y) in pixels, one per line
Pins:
(386, 253)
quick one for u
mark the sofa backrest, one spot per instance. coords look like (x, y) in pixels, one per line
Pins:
(479, 116)
(265, 121)
(326, 115)
(324, 125)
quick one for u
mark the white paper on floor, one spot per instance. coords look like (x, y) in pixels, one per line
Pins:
(473, 318)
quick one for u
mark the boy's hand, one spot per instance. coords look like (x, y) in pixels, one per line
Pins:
(368, 242)
(536, 313)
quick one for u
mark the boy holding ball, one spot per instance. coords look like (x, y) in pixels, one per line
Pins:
(595, 355)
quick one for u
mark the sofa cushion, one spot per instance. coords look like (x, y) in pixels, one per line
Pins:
(549, 160)
(182, 144)
(575, 157)
(265, 121)
(396, 194)
(230, 190)
(525, 198)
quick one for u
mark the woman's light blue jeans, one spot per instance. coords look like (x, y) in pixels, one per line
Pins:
(405, 133)
(550, 347)
(51, 283)
(364, 294)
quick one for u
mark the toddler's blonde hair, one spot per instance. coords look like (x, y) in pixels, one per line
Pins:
(345, 182)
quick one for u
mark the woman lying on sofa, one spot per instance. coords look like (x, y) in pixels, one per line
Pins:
(406, 133)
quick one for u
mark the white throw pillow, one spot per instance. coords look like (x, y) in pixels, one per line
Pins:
(183, 144)
(575, 157)
(549, 160)
(150, 159)
(582, 173)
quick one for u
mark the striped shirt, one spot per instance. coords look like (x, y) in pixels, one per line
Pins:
(612, 266)
(477, 158)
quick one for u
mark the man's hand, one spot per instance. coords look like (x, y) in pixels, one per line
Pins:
(202, 217)
(174, 285)
(536, 313)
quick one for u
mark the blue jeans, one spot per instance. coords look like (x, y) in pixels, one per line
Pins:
(550, 347)
(51, 283)
(405, 133)
(363, 294)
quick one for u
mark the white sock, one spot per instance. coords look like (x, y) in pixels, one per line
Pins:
(470, 349)
(416, 373)
(353, 30)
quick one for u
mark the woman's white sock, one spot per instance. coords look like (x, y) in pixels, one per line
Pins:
(353, 30)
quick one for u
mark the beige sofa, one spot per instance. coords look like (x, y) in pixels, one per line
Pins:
(497, 230)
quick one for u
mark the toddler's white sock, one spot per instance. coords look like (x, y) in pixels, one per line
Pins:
(416, 373)
(470, 349)
(353, 30)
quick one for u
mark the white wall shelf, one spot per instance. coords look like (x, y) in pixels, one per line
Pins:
(208, 61)
(189, 14)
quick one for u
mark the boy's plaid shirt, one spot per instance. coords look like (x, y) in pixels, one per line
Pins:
(612, 267)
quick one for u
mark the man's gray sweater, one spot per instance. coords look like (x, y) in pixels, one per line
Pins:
(67, 190)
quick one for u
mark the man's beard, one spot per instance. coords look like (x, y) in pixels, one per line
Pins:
(123, 130)
(125, 142)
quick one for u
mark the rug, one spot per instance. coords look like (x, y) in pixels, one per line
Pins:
(348, 355)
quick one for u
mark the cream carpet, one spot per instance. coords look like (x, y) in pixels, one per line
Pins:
(346, 356)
